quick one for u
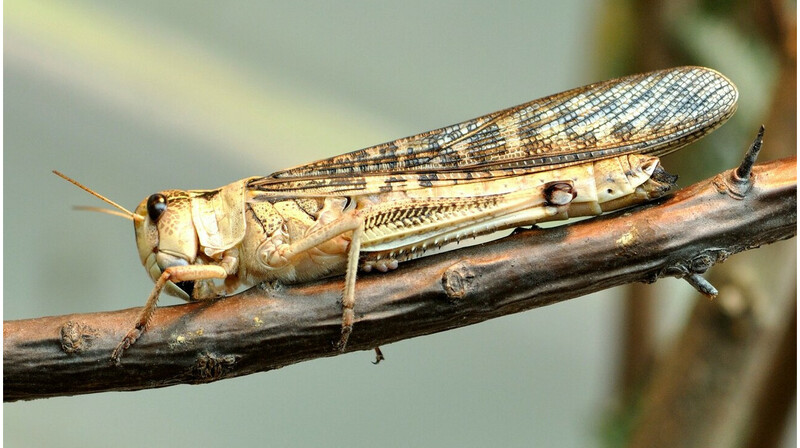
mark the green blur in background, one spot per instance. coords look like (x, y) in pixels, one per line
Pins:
(132, 98)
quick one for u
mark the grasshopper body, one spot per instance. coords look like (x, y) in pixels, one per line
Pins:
(577, 153)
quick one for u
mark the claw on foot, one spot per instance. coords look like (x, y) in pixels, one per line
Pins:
(116, 355)
(342, 344)
(125, 344)
(378, 355)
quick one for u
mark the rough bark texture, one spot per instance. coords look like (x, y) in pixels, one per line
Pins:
(264, 329)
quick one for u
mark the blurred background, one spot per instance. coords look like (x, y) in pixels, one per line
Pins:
(137, 97)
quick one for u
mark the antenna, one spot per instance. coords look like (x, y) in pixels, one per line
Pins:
(125, 212)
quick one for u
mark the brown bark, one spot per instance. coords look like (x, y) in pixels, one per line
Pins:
(264, 329)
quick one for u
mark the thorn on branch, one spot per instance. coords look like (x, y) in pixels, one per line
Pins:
(742, 174)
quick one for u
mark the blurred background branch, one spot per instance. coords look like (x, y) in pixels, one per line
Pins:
(722, 380)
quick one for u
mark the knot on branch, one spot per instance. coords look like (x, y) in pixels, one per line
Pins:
(698, 264)
(210, 367)
(737, 183)
(701, 263)
(628, 243)
(77, 337)
(457, 280)
(691, 269)
(727, 183)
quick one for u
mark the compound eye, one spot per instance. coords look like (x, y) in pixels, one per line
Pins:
(156, 206)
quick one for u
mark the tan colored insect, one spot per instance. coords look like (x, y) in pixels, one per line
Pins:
(577, 153)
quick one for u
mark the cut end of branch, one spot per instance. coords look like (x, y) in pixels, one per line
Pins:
(702, 285)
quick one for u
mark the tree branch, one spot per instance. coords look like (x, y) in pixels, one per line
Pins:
(263, 329)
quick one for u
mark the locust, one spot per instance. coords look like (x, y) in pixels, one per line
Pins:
(582, 152)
